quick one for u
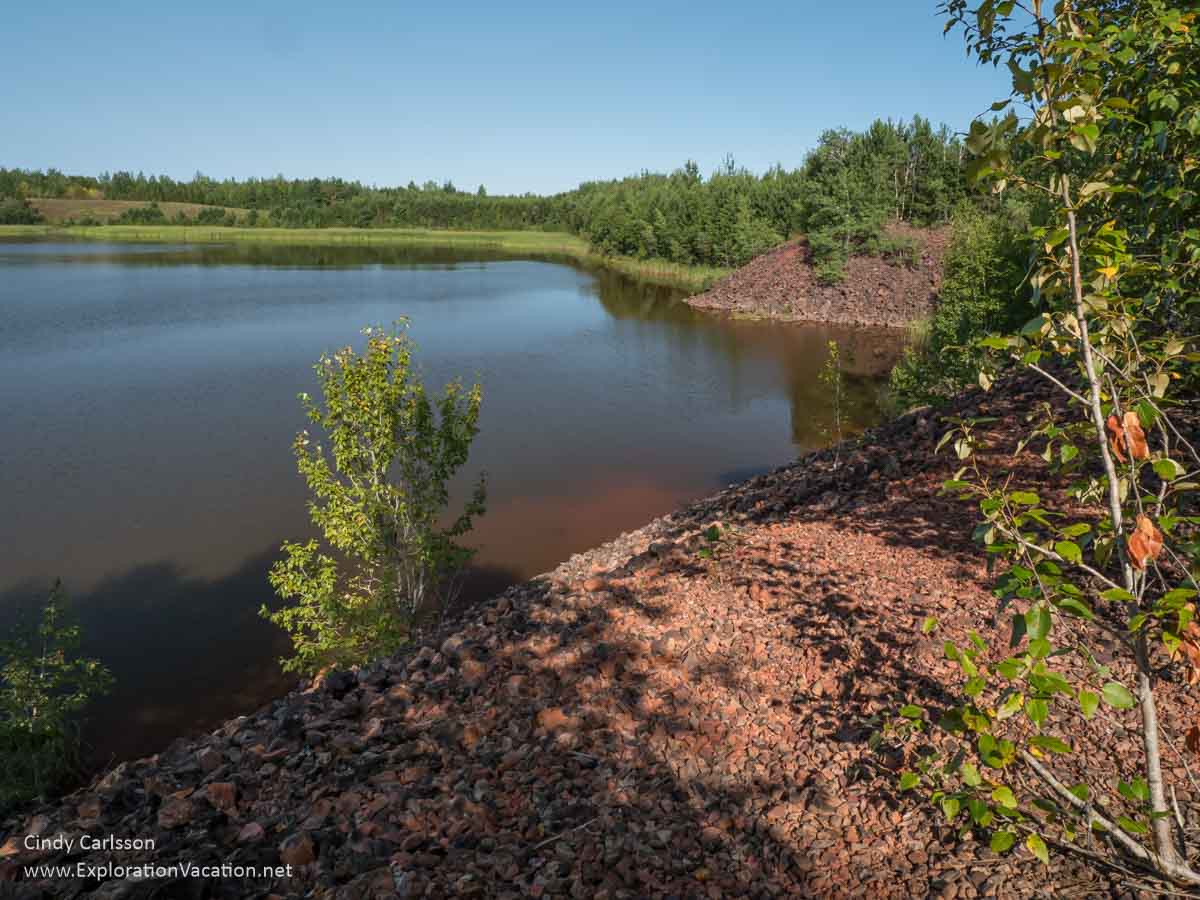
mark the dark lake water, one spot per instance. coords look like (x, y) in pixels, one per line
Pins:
(148, 403)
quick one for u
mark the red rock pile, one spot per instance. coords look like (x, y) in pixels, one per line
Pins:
(781, 285)
(646, 721)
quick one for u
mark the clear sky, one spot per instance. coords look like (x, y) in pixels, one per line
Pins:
(516, 96)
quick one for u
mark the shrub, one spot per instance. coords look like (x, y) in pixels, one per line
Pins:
(377, 499)
(981, 274)
(210, 215)
(17, 211)
(151, 214)
(44, 687)
(901, 249)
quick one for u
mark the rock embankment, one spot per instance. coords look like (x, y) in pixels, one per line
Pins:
(782, 285)
(665, 716)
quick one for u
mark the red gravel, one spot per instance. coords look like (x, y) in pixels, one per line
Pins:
(781, 285)
(643, 722)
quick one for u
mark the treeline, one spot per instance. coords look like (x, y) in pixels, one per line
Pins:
(841, 198)
(846, 189)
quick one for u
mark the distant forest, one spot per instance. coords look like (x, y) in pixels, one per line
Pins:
(848, 187)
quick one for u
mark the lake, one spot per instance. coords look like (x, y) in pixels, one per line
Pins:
(148, 401)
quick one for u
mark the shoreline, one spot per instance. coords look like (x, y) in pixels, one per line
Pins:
(549, 245)
(656, 692)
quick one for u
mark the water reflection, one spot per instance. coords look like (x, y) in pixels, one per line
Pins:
(149, 403)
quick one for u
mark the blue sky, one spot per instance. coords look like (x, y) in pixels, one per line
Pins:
(518, 97)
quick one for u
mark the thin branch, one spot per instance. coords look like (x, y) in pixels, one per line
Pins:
(1174, 870)
(551, 840)
(1074, 395)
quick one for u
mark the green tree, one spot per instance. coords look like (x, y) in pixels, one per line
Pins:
(1109, 144)
(378, 496)
(982, 274)
(44, 686)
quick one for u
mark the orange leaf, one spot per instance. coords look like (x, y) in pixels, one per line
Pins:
(1117, 441)
(1145, 543)
(1135, 438)
(1189, 646)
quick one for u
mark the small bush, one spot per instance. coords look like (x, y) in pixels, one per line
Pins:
(44, 687)
(211, 215)
(142, 215)
(983, 269)
(378, 500)
(831, 270)
(17, 211)
(901, 249)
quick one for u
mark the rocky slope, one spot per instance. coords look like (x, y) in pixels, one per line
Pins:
(664, 716)
(781, 285)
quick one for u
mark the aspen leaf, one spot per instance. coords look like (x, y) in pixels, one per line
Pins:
(1088, 702)
(1117, 696)
(1192, 739)
(1002, 841)
(1135, 438)
(1189, 647)
(1069, 551)
(1117, 440)
(1038, 848)
(1145, 543)
(1168, 469)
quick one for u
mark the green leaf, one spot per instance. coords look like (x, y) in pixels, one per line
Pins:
(1052, 744)
(981, 813)
(1118, 696)
(1131, 825)
(1010, 706)
(970, 775)
(910, 711)
(1004, 796)
(1069, 551)
(1056, 237)
(1037, 622)
(1002, 841)
(1076, 608)
(950, 808)
(1038, 848)
(1168, 469)
(1010, 668)
(1037, 711)
(928, 625)
(909, 780)
(1088, 702)
(1117, 595)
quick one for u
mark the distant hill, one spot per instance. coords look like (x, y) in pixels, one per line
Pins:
(56, 211)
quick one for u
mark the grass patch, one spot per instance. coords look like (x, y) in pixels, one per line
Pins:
(555, 245)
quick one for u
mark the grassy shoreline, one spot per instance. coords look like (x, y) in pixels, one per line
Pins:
(551, 244)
